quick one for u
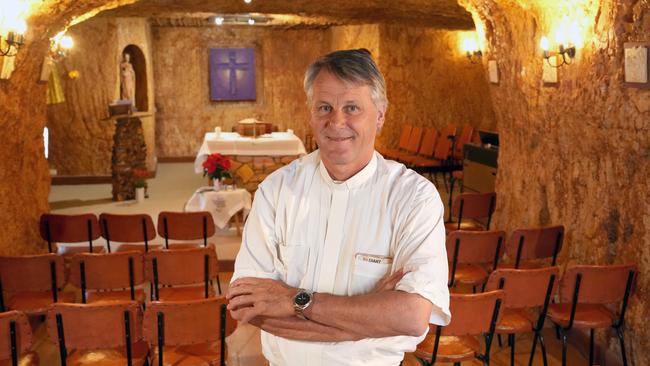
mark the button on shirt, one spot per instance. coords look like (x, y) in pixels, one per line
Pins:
(312, 232)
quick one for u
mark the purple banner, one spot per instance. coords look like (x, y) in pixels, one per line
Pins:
(232, 74)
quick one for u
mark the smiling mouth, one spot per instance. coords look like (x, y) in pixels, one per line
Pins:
(339, 139)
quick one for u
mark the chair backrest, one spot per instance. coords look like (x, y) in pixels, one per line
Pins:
(185, 226)
(69, 228)
(465, 137)
(474, 206)
(405, 136)
(473, 314)
(22, 330)
(31, 272)
(106, 271)
(137, 228)
(475, 246)
(414, 140)
(188, 322)
(535, 243)
(524, 288)
(445, 143)
(598, 284)
(95, 326)
(429, 142)
(181, 266)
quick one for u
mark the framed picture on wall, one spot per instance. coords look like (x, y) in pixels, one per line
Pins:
(637, 65)
(493, 71)
(232, 74)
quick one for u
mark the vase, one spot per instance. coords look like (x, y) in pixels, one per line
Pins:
(217, 184)
(139, 194)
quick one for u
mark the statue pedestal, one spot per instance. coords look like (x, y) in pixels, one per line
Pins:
(129, 153)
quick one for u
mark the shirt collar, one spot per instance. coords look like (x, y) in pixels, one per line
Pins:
(353, 182)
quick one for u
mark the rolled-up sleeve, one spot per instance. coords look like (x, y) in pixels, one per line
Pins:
(258, 255)
(421, 253)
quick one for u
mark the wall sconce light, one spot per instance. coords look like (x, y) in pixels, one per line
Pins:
(14, 40)
(564, 55)
(61, 45)
(474, 54)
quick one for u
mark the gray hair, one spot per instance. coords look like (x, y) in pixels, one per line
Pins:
(352, 66)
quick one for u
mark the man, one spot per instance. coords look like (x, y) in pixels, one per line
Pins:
(343, 256)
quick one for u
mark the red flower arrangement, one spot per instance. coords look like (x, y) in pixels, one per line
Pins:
(140, 175)
(217, 166)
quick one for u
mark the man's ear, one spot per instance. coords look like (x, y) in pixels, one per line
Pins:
(381, 117)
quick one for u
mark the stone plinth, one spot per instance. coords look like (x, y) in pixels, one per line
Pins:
(129, 153)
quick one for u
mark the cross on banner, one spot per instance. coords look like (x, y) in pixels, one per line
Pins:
(232, 74)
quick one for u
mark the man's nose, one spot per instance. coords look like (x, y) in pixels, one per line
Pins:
(337, 119)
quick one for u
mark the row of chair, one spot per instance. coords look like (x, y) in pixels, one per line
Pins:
(120, 333)
(519, 300)
(125, 229)
(32, 283)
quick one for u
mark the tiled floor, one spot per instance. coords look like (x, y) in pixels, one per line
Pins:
(173, 185)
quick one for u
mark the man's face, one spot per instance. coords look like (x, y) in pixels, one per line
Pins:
(345, 121)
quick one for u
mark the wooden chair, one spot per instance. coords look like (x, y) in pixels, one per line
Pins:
(177, 275)
(459, 144)
(528, 293)
(584, 292)
(427, 147)
(129, 230)
(402, 144)
(31, 283)
(185, 226)
(16, 340)
(103, 277)
(472, 315)
(98, 334)
(440, 160)
(413, 145)
(471, 252)
(473, 206)
(534, 244)
(55, 228)
(188, 333)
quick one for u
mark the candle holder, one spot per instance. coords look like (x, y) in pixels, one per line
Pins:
(11, 44)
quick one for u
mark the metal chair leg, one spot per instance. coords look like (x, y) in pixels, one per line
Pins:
(499, 340)
(564, 346)
(619, 333)
(532, 350)
(591, 347)
(543, 346)
(451, 194)
(512, 349)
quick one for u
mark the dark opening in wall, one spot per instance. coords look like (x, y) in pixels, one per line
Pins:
(140, 67)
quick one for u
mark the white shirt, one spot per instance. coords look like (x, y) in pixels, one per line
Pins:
(339, 237)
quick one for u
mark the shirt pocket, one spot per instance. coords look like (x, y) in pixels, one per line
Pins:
(366, 274)
(294, 259)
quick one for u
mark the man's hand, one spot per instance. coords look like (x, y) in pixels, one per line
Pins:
(250, 297)
(389, 282)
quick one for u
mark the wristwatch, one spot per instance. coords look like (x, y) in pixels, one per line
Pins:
(302, 300)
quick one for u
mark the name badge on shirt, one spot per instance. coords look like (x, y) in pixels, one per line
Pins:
(371, 258)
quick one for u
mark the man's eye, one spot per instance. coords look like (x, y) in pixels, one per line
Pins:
(352, 108)
(324, 108)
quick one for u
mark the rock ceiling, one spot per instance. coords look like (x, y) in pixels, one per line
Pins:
(434, 13)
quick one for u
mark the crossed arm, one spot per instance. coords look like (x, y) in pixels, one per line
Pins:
(268, 304)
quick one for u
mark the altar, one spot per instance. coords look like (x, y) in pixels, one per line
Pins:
(253, 157)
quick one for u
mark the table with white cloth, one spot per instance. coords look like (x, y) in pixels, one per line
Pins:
(223, 204)
(274, 144)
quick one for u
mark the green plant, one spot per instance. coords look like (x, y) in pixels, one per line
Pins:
(140, 178)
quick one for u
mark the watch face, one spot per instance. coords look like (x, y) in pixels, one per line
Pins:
(302, 299)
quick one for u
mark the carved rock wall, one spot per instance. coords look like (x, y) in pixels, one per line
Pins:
(578, 153)
(185, 111)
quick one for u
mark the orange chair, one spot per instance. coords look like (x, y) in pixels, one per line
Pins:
(185, 226)
(526, 291)
(56, 228)
(534, 243)
(414, 144)
(16, 340)
(584, 292)
(472, 315)
(102, 277)
(401, 146)
(427, 147)
(184, 268)
(472, 206)
(188, 333)
(471, 252)
(128, 230)
(459, 144)
(98, 334)
(31, 283)
(441, 155)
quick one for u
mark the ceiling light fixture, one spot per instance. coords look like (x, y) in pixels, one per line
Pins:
(251, 21)
(218, 20)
